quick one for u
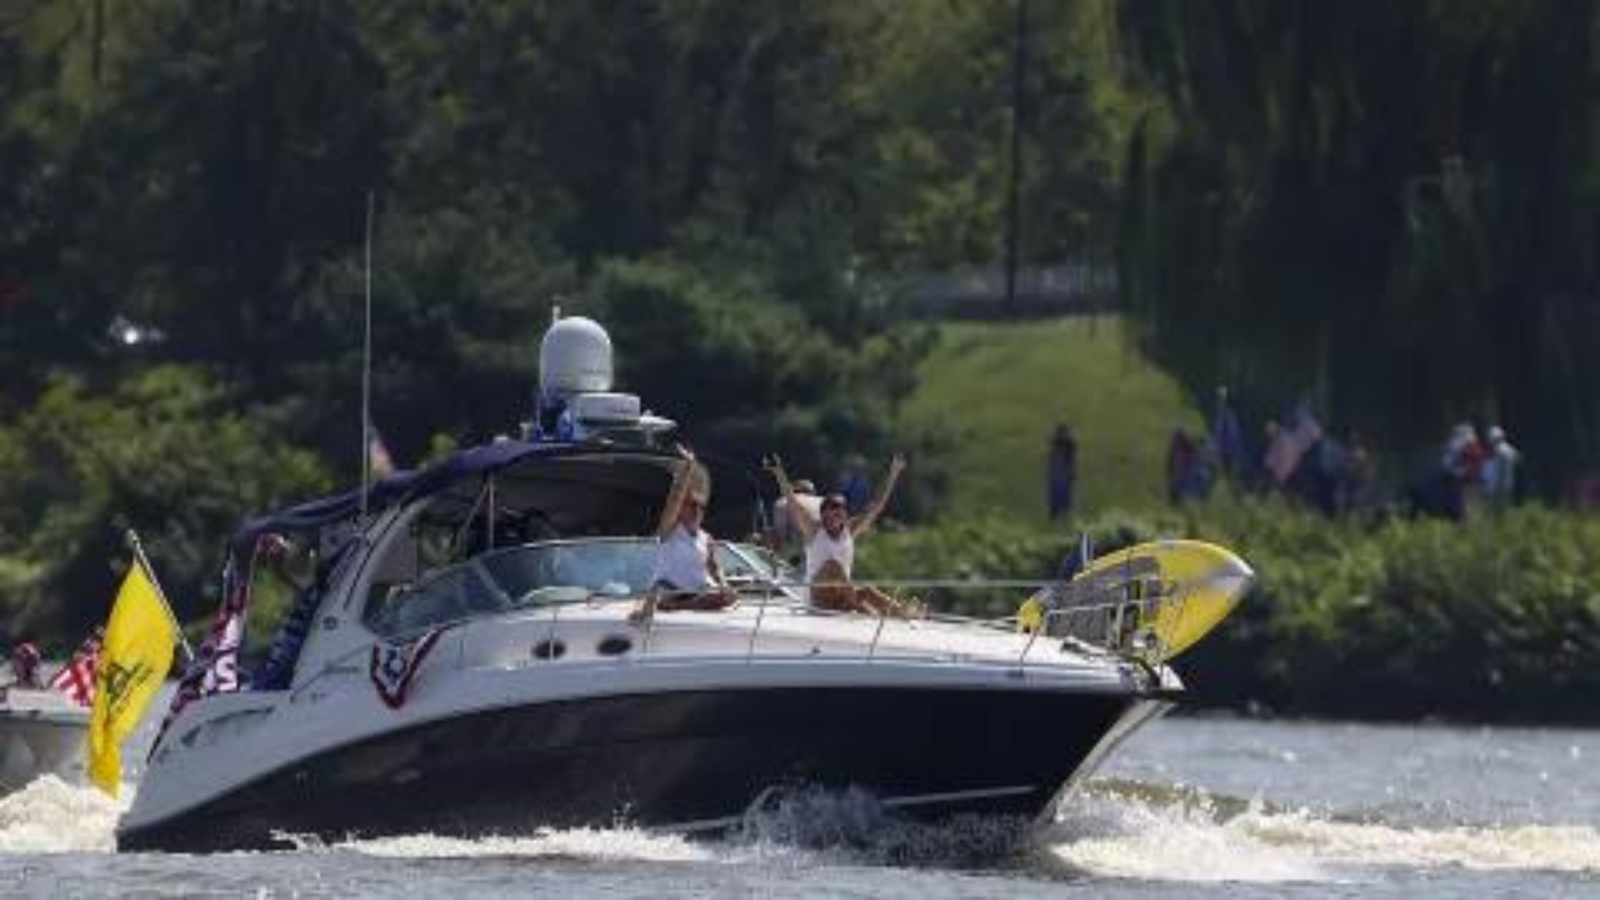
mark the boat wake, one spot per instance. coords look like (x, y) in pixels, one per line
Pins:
(803, 826)
(853, 827)
(1114, 830)
(585, 844)
(51, 816)
(1134, 831)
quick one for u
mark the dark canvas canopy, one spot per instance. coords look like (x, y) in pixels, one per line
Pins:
(570, 488)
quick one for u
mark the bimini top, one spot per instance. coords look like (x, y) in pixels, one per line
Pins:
(570, 487)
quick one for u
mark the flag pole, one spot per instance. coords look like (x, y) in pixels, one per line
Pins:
(150, 573)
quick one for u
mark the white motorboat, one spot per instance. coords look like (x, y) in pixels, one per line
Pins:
(42, 732)
(472, 668)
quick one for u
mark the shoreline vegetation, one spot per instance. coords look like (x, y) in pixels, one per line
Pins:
(748, 200)
(1371, 618)
(1496, 619)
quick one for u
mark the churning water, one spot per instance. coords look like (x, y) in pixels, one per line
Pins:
(1189, 807)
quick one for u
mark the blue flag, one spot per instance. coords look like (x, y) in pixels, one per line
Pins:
(1228, 437)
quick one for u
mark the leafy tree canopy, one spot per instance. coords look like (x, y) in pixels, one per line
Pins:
(164, 452)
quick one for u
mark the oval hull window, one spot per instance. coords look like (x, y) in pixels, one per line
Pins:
(614, 645)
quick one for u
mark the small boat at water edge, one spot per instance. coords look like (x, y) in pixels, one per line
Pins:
(42, 732)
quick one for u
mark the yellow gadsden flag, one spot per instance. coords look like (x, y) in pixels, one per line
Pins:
(133, 664)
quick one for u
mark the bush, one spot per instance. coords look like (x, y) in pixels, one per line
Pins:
(1493, 619)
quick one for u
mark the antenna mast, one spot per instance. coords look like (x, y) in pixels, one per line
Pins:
(366, 370)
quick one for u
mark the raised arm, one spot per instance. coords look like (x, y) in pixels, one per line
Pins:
(682, 479)
(874, 509)
(798, 514)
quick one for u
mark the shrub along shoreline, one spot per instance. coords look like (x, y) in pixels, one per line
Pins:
(1495, 619)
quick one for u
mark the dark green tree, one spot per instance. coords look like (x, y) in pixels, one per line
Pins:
(1387, 206)
(163, 453)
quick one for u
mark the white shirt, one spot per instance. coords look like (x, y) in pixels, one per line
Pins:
(682, 560)
(824, 546)
(1499, 471)
(783, 520)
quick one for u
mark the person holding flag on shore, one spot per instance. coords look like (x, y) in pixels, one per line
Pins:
(1227, 438)
(136, 654)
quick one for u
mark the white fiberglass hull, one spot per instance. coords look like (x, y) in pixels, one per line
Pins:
(687, 732)
(40, 734)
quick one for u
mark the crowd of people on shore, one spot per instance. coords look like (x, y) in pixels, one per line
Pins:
(1335, 472)
(1296, 457)
(1332, 471)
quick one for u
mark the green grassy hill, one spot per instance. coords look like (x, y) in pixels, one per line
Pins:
(1002, 387)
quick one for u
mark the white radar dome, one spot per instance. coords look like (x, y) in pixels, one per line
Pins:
(574, 358)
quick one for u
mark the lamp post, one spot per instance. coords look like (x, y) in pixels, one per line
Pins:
(1019, 67)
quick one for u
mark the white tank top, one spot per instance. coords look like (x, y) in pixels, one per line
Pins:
(823, 547)
(681, 560)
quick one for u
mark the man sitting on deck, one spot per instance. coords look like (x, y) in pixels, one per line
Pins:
(686, 574)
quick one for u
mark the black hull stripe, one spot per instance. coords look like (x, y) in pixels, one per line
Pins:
(672, 759)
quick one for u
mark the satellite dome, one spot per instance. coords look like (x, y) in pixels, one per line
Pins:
(574, 358)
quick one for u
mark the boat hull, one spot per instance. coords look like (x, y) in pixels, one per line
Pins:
(689, 760)
(34, 744)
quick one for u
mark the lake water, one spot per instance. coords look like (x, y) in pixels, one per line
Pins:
(1189, 807)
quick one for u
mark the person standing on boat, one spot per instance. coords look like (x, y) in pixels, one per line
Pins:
(25, 661)
(830, 546)
(686, 574)
(787, 541)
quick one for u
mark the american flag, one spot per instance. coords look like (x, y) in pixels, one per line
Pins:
(76, 678)
(215, 667)
(394, 665)
(379, 461)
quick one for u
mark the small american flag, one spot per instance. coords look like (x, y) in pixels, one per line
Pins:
(379, 461)
(394, 665)
(76, 678)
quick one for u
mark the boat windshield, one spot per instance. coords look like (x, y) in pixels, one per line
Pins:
(542, 573)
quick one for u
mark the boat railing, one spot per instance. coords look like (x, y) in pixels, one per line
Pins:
(1131, 619)
(1123, 627)
(1114, 625)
